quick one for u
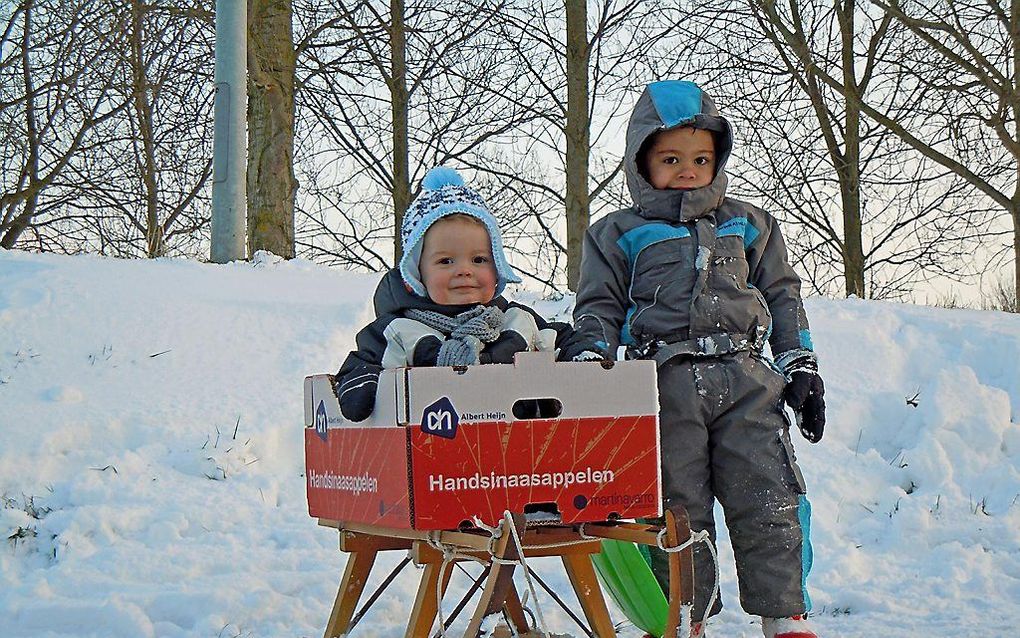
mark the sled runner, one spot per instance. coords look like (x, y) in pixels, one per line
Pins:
(631, 584)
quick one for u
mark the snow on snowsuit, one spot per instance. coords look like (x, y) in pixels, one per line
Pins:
(708, 275)
(393, 340)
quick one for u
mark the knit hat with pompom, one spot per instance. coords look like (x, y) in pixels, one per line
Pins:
(443, 193)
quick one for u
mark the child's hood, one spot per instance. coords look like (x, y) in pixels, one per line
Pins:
(666, 105)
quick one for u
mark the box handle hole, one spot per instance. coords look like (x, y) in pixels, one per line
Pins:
(542, 513)
(547, 408)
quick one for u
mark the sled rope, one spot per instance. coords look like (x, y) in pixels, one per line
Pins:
(450, 555)
(527, 571)
(701, 536)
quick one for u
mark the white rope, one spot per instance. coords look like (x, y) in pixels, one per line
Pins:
(450, 555)
(508, 517)
(699, 536)
(715, 586)
(695, 537)
(494, 534)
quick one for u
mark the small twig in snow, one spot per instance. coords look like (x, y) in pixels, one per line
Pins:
(103, 469)
(236, 425)
(912, 401)
(153, 356)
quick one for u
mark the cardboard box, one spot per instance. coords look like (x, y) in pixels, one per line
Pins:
(445, 445)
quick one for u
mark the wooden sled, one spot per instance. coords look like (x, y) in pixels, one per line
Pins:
(498, 551)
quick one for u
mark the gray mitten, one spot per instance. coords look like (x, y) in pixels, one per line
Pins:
(459, 351)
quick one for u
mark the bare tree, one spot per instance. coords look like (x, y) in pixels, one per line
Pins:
(366, 72)
(272, 186)
(585, 76)
(144, 190)
(57, 71)
(858, 203)
(964, 53)
(114, 151)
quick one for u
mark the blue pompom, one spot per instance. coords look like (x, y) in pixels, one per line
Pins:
(441, 176)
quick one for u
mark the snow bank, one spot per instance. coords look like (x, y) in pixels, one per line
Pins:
(151, 458)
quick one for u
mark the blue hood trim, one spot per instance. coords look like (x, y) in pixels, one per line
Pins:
(676, 102)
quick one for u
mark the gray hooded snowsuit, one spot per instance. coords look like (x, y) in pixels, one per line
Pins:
(700, 281)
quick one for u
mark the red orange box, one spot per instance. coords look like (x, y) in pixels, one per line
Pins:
(444, 448)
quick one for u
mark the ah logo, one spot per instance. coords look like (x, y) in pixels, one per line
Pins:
(440, 419)
(321, 421)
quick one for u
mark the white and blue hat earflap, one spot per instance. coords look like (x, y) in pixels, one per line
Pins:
(444, 193)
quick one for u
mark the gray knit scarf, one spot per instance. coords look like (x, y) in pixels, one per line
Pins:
(468, 331)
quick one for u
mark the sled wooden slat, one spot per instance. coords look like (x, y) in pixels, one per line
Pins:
(582, 577)
(681, 568)
(359, 542)
(422, 553)
(632, 532)
(515, 611)
(500, 579)
(359, 564)
(423, 613)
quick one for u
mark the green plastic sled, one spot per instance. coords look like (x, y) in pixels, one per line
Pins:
(625, 572)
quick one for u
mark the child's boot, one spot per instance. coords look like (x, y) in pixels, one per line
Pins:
(792, 627)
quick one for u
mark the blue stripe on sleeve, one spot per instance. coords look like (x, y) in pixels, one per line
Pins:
(805, 339)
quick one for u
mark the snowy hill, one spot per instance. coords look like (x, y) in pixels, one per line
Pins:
(151, 458)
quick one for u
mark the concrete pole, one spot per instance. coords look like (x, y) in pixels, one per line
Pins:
(230, 143)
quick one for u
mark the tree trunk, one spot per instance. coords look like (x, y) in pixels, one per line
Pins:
(850, 169)
(21, 221)
(853, 253)
(578, 146)
(271, 183)
(1014, 36)
(1016, 255)
(143, 116)
(399, 109)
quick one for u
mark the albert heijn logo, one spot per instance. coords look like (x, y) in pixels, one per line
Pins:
(440, 419)
(321, 421)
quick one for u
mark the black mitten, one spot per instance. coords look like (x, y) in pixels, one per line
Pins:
(356, 392)
(581, 348)
(805, 393)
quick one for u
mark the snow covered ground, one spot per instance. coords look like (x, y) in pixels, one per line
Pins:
(151, 459)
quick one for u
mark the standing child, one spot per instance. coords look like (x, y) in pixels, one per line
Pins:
(442, 305)
(699, 282)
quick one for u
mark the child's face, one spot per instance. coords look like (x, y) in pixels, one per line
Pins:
(681, 159)
(456, 262)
